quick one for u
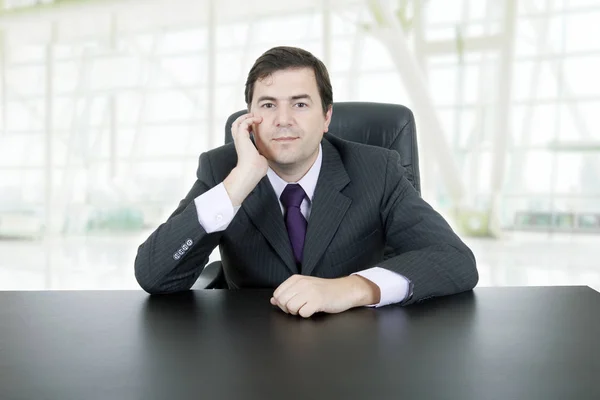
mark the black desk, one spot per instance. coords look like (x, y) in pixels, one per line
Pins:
(493, 343)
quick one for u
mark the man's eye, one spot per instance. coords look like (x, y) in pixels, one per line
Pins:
(301, 105)
(268, 105)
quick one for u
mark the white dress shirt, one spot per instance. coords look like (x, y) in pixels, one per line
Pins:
(215, 213)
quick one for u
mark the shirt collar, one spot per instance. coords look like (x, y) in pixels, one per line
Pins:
(308, 181)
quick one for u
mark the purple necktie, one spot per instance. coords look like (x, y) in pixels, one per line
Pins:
(291, 198)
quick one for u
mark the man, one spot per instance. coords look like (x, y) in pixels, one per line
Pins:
(303, 212)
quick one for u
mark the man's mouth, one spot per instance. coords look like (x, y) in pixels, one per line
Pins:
(285, 139)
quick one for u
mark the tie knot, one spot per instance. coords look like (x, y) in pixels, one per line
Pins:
(292, 195)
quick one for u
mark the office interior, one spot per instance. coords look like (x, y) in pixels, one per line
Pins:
(105, 107)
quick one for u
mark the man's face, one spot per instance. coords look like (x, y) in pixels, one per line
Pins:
(293, 121)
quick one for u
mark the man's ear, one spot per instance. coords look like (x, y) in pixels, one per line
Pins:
(328, 118)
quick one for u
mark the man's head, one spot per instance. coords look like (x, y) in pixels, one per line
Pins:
(290, 89)
(280, 58)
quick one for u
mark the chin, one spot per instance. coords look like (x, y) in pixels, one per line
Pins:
(284, 161)
(283, 157)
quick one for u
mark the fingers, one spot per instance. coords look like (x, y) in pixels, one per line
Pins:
(281, 306)
(307, 310)
(282, 300)
(296, 303)
(292, 280)
(291, 305)
(292, 296)
(285, 292)
(243, 123)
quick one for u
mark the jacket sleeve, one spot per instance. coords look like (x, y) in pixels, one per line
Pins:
(427, 251)
(173, 256)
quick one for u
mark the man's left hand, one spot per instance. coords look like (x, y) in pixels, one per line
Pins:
(306, 295)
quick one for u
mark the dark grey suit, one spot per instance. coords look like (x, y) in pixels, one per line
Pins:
(362, 201)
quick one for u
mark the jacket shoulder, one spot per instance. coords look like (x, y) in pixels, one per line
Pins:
(357, 153)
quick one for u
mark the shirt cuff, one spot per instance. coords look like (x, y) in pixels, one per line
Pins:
(393, 286)
(214, 209)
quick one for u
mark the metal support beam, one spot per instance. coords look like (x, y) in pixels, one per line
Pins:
(48, 127)
(326, 30)
(475, 44)
(3, 82)
(112, 116)
(391, 34)
(428, 184)
(211, 77)
(560, 65)
(500, 141)
(142, 92)
(57, 9)
(516, 175)
(356, 59)
(112, 106)
(459, 98)
(419, 35)
(476, 137)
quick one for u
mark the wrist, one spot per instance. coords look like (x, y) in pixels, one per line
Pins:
(364, 291)
(239, 183)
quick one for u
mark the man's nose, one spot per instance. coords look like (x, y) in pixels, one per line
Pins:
(283, 117)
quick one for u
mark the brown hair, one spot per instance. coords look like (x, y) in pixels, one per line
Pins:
(282, 57)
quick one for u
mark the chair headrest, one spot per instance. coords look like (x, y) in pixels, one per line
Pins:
(378, 124)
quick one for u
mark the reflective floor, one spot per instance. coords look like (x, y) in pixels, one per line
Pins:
(85, 263)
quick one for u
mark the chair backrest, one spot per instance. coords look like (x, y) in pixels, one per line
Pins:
(378, 124)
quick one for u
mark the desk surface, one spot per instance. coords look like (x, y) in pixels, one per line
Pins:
(493, 343)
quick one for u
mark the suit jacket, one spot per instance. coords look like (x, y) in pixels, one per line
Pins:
(362, 202)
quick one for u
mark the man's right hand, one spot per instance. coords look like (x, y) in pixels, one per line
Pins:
(251, 165)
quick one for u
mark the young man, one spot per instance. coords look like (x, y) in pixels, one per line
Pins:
(305, 213)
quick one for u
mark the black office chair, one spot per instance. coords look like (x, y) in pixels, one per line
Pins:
(385, 125)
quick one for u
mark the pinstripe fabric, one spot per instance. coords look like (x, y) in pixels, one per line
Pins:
(362, 202)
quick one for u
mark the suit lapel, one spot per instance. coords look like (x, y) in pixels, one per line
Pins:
(327, 209)
(262, 206)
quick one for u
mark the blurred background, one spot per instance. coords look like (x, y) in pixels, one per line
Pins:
(105, 107)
